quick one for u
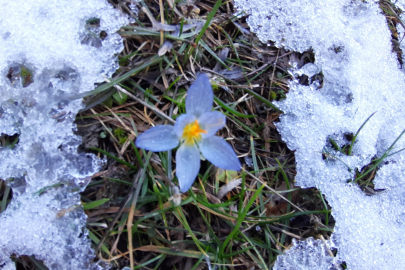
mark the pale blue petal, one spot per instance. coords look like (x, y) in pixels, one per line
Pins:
(181, 122)
(211, 122)
(219, 153)
(199, 96)
(187, 166)
(159, 138)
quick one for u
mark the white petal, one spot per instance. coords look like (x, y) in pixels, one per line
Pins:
(199, 96)
(211, 122)
(182, 121)
(219, 153)
(159, 138)
(187, 166)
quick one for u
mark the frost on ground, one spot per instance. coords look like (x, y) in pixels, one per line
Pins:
(51, 51)
(352, 47)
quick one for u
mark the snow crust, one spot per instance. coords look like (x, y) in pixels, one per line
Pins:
(67, 46)
(296, 258)
(352, 46)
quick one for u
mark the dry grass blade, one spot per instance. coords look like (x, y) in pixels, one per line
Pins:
(137, 177)
(273, 190)
(155, 110)
(132, 211)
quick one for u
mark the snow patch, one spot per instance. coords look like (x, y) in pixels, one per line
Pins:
(352, 47)
(51, 51)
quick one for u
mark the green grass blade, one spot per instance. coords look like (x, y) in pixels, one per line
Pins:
(378, 161)
(335, 145)
(179, 213)
(237, 252)
(240, 220)
(117, 180)
(349, 153)
(149, 261)
(262, 99)
(235, 52)
(255, 166)
(160, 262)
(260, 261)
(204, 28)
(399, 137)
(5, 196)
(95, 239)
(209, 19)
(396, 152)
(326, 208)
(94, 204)
(151, 61)
(205, 46)
(230, 110)
(141, 89)
(198, 262)
(250, 131)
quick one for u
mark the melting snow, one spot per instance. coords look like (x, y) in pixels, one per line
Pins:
(296, 258)
(51, 51)
(352, 47)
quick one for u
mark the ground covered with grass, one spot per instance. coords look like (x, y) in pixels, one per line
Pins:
(228, 219)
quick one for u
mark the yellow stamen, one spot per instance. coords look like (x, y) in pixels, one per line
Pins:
(192, 132)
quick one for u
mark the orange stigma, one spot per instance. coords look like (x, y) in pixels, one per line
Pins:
(192, 132)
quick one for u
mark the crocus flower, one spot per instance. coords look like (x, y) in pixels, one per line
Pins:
(195, 132)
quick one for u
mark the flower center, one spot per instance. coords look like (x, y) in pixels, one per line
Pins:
(192, 132)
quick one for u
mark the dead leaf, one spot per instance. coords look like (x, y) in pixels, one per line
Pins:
(228, 187)
(166, 47)
(277, 206)
(225, 175)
